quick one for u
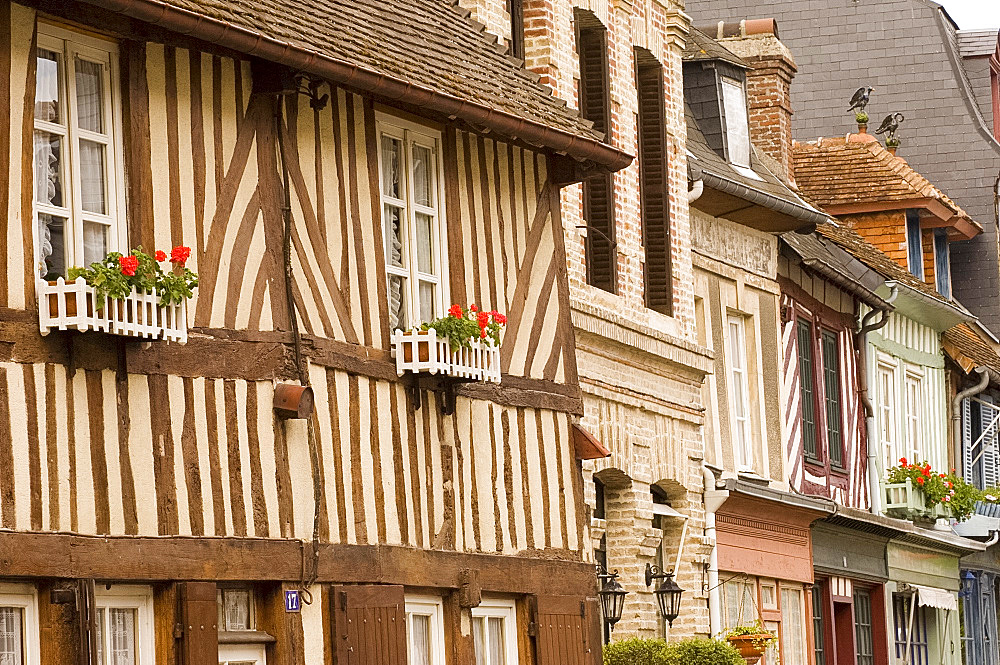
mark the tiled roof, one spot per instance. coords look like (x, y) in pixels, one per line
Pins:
(966, 346)
(700, 46)
(867, 253)
(973, 43)
(838, 171)
(429, 44)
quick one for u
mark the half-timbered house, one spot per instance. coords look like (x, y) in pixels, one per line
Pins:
(341, 172)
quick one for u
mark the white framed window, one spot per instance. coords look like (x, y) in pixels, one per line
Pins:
(737, 124)
(914, 402)
(413, 228)
(236, 609)
(886, 391)
(739, 392)
(242, 654)
(425, 630)
(124, 625)
(18, 625)
(78, 174)
(493, 632)
(793, 627)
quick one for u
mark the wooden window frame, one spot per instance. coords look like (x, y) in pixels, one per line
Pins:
(25, 598)
(772, 615)
(221, 592)
(507, 611)
(432, 607)
(515, 10)
(816, 456)
(824, 333)
(888, 414)
(70, 45)
(730, 83)
(915, 378)
(129, 596)
(914, 244)
(654, 181)
(742, 374)
(410, 133)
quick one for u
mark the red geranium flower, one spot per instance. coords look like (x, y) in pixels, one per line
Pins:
(920, 481)
(473, 308)
(482, 333)
(498, 318)
(484, 319)
(455, 311)
(160, 255)
(128, 265)
(927, 472)
(180, 254)
(902, 460)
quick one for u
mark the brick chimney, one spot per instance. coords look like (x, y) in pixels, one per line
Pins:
(768, 80)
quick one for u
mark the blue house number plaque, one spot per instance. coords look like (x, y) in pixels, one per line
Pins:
(292, 602)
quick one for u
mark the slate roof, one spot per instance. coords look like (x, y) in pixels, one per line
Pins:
(837, 171)
(708, 160)
(430, 45)
(976, 43)
(837, 265)
(700, 46)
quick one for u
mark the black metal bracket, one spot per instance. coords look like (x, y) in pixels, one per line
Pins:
(654, 573)
(443, 386)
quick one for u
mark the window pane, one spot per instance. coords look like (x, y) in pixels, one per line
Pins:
(52, 246)
(497, 655)
(100, 636)
(92, 177)
(807, 398)
(397, 303)
(47, 85)
(390, 167)
(237, 608)
(427, 301)
(793, 643)
(773, 654)
(420, 639)
(423, 176)
(95, 242)
(479, 639)
(90, 95)
(425, 241)
(831, 377)
(11, 636)
(914, 244)
(394, 236)
(48, 169)
(121, 631)
(863, 636)
(942, 262)
(818, 632)
(737, 131)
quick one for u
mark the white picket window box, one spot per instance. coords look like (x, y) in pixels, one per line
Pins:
(423, 351)
(907, 501)
(73, 305)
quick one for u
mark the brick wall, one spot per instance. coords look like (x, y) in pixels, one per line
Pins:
(885, 230)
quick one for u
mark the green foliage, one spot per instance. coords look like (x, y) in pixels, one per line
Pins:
(946, 489)
(892, 143)
(462, 325)
(696, 651)
(117, 274)
(861, 117)
(756, 628)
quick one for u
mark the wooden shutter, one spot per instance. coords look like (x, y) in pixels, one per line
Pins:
(831, 392)
(199, 613)
(967, 466)
(598, 190)
(807, 395)
(369, 625)
(653, 181)
(567, 630)
(988, 445)
(516, 10)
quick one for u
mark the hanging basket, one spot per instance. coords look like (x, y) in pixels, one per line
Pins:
(751, 647)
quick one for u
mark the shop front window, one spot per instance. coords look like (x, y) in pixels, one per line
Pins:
(910, 629)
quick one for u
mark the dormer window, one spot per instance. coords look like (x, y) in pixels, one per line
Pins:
(736, 123)
(914, 245)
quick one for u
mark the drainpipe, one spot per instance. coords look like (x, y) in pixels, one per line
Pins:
(713, 500)
(956, 408)
(697, 183)
(867, 326)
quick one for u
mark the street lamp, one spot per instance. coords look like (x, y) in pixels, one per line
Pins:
(612, 596)
(668, 594)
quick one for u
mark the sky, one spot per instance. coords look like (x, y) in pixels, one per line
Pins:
(974, 14)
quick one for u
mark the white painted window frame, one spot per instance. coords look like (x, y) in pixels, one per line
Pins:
(71, 45)
(887, 414)
(743, 455)
(411, 133)
(129, 596)
(736, 121)
(501, 609)
(241, 653)
(787, 626)
(25, 598)
(913, 418)
(432, 607)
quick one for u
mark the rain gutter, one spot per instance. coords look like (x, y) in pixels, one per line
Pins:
(298, 58)
(763, 199)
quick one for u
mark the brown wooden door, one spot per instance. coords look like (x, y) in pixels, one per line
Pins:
(567, 631)
(369, 625)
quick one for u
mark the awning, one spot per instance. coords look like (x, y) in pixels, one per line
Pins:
(937, 598)
(587, 446)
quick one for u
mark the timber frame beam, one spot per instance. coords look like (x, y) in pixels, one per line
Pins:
(151, 559)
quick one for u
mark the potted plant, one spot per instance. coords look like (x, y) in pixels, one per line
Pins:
(460, 326)
(891, 144)
(930, 493)
(751, 640)
(862, 119)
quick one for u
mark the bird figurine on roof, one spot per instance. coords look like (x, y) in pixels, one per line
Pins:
(860, 99)
(889, 126)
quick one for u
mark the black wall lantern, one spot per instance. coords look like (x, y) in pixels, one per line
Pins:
(668, 594)
(612, 596)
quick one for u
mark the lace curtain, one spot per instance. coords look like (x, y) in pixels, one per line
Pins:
(11, 645)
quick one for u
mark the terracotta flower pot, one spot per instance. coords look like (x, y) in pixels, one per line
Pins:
(423, 347)
(862, 128)
(748, 645)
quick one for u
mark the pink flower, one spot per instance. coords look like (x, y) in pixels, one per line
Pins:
(947, 498)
